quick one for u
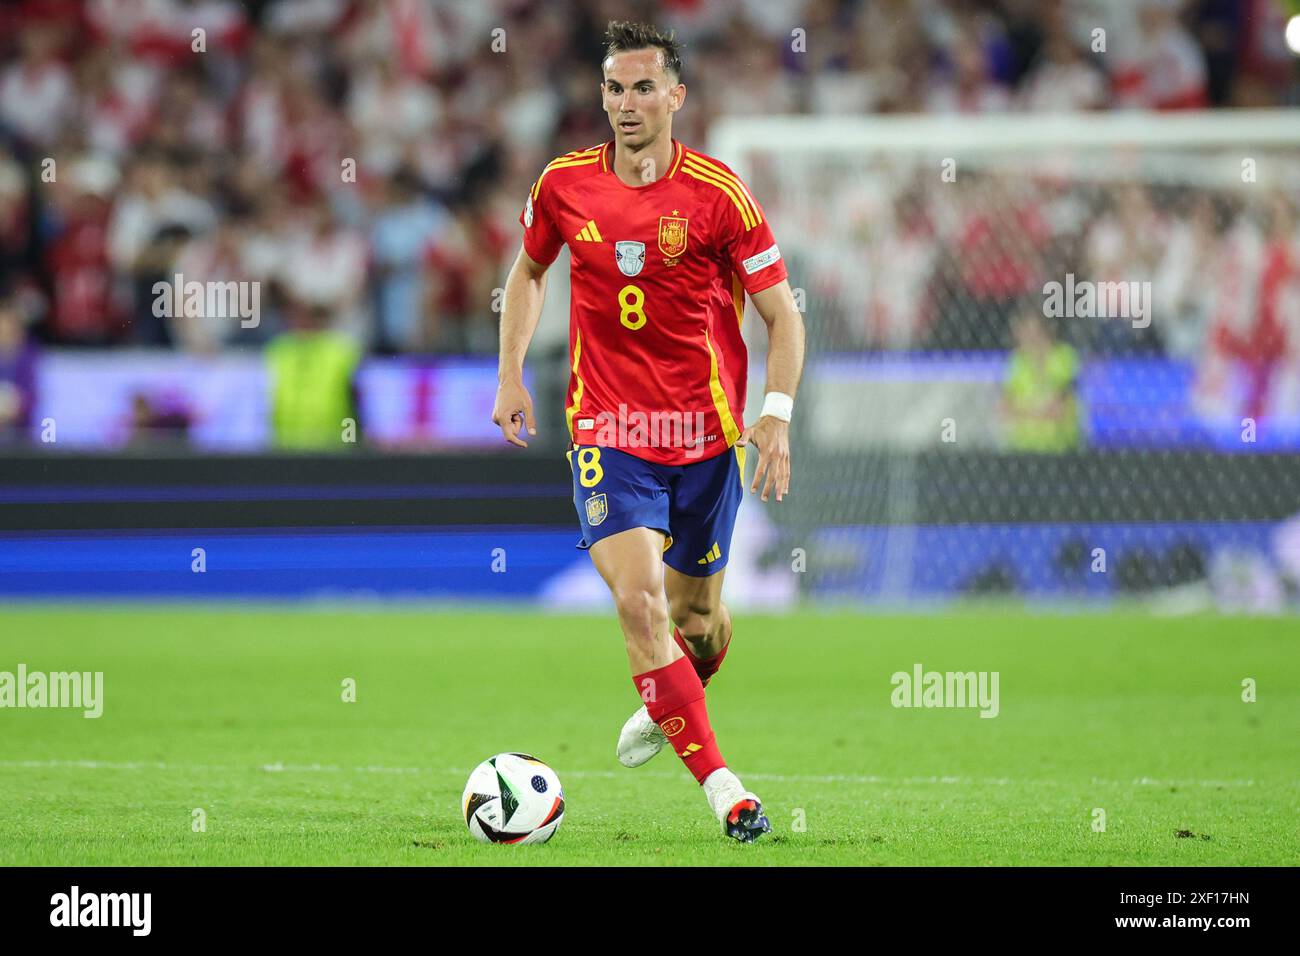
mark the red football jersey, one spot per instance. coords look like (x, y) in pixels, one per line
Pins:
(658, 280)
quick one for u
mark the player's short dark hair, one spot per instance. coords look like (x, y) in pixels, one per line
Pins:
(624, 35)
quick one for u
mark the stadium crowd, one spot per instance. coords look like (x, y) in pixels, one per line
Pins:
(363, 160)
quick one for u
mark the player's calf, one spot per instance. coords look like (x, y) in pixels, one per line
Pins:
(697, 650)
(641, 738)
(703, 622)
(674, 699)
(704, 645)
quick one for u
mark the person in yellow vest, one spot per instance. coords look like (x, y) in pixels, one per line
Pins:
(312, 371)
(1039, 399)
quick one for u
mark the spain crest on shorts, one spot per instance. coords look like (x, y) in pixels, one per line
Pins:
(597, 509)
(672, 235)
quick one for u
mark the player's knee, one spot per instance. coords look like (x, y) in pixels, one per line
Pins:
(642, 612)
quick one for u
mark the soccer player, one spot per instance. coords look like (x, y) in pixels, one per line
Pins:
(665, 243)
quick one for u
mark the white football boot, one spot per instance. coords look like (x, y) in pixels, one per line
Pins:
(639, 740)
(738, 810)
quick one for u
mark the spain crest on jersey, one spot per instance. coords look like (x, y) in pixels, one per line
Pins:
(597, 509)
(672, 235)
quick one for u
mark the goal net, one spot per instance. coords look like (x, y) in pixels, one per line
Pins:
(1049, 357)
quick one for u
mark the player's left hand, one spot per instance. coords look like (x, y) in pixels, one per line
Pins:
(772, 436)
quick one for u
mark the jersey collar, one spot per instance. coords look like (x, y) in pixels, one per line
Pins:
(607, 159)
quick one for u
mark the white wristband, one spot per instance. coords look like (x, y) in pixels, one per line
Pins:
(777, 404)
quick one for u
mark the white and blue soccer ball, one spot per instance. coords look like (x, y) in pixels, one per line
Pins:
(513, 798)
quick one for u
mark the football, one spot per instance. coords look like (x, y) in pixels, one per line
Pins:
(513, 798)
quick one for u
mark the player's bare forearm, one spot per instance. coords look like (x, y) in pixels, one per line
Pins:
(785, 334)
(525, 290)
(524, 293)
(785, 337)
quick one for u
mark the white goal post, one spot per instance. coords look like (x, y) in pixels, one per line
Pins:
(731, 138)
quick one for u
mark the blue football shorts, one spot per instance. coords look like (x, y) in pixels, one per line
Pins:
(693, 504)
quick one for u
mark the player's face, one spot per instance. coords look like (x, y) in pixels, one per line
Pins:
(639, 96)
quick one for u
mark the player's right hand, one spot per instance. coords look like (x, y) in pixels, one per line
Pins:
(513, 411)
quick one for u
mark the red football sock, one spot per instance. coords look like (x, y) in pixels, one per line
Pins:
(674, 697)
(705, 667)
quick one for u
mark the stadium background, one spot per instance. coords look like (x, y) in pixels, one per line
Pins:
(962, 463)
(128, 433)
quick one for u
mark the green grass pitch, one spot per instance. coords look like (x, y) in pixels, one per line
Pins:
(238, 712)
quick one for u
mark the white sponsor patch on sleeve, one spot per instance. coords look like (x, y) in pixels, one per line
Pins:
(762, 260)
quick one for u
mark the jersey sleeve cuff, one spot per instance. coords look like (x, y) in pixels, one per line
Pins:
(538, 255)
(761, 282)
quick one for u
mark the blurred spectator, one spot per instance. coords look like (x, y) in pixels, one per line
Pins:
(391, 114)
(998, 261)
(1125, 243)
(903, 265)
(313, 383)
(17, 372)
(151, 220)
(18, 239)
(460, 309)
(1062, 78)
(1249, 49)
(405, 226)
(967, 86)
(184, 119)
(36, 92)
(217, 257)
(1186, 284)
(234, 161)
(1161, 67)
(1039, 399)
(324, 269)
(84, 310)
(1257, 332)
(115, 102)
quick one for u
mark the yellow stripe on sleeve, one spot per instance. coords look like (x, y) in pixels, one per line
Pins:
(564, 164)
(689, 168)
(734, 180)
